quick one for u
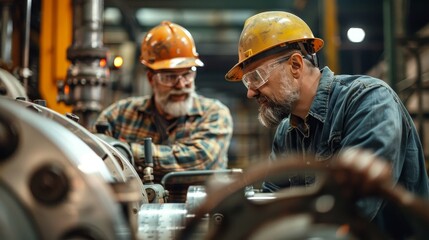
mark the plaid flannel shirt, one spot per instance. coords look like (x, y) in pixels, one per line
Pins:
(197, 141)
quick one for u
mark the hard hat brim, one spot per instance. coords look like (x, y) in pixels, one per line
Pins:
(174, 63)
(235, 74)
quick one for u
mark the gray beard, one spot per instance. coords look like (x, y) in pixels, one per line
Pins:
(176, 109)
(271, 116)
(272, 113)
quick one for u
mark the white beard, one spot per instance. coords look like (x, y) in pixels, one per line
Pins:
(176, 109)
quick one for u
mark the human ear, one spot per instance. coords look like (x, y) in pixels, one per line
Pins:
(297, 63)
(149, 75)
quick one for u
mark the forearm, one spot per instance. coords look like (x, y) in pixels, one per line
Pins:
(193, 155)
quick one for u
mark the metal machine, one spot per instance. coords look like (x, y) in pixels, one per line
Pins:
(49, 190)
(325, 210)
(88, 74)
(10, 86)
(140, 219)
(59, 181)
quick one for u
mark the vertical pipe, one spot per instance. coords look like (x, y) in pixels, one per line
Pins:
(331, 34)
(26, 59)
(420, 111)
(389, 43)
(55, 37)
(399, 32)
(6, 34)
(87, 76)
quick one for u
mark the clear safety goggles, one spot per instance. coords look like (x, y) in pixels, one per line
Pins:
(258, 77)
(170, 79)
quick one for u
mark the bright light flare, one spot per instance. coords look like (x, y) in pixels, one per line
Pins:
(118, 62)
(356, 35)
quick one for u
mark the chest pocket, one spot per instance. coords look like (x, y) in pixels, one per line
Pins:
(327, 149)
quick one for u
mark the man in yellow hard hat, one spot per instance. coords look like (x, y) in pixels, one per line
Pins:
(319, 113)
(188, 131)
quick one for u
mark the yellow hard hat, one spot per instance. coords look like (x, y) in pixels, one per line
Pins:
(267, 30)
(169, 46)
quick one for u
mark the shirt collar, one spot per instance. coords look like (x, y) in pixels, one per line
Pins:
(298, 123)
(319, 107)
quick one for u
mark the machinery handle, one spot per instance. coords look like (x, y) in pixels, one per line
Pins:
(148, 152)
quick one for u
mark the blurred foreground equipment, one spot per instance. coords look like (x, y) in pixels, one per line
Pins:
(59, 181)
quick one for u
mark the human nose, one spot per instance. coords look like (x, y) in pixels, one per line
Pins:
(180, 82)
(251, 93)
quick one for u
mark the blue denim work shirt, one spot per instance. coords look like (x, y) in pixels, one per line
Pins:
(356, 111)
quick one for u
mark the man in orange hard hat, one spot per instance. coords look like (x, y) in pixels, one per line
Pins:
(188, 131)
(319, 113)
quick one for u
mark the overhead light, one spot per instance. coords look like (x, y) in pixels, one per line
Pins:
(118, 61)
(356, 35)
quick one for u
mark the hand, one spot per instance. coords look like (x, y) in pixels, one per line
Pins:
(367, 172)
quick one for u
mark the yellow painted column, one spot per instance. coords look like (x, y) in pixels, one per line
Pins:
(55, 38)
(331, 36)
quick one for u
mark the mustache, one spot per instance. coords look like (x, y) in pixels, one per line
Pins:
(263, 99)
(181, 91)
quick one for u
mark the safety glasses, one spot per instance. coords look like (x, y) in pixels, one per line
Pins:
(170, 79)
(258, 77)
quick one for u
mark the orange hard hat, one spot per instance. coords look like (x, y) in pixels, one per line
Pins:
(268, 30)
(169, 46)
